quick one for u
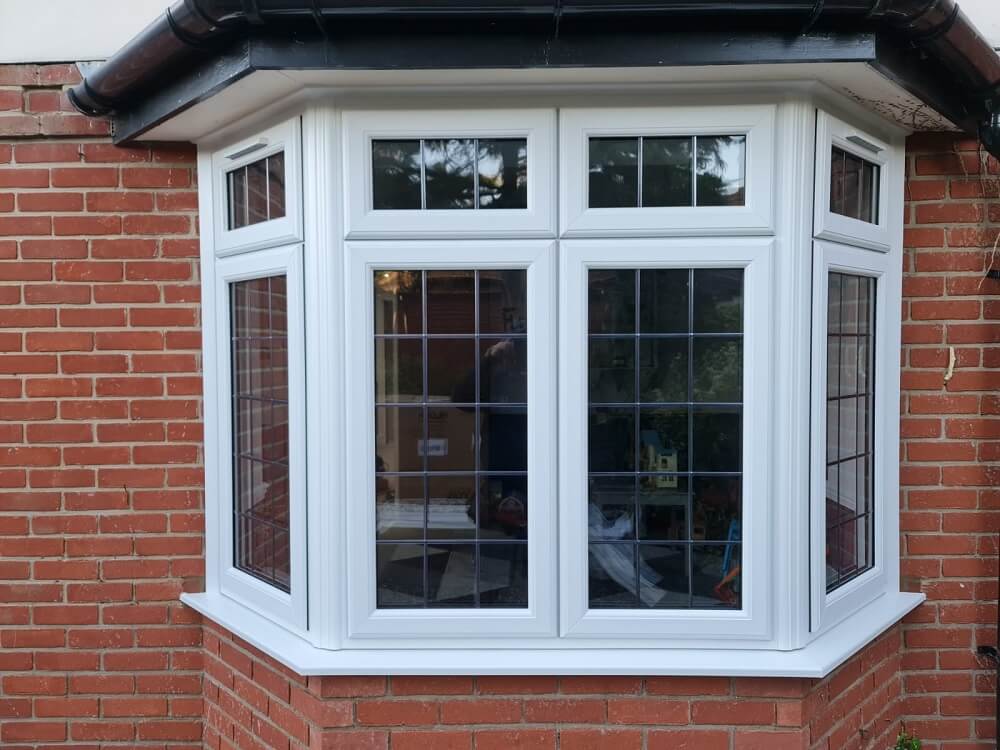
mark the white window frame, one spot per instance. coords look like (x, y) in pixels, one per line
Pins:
(830, 608)
(539, 617)
(782, 628)
(284, 137)
(753, 620)
(755, 217)
(287, 608)
(537, 126)
(830, 132)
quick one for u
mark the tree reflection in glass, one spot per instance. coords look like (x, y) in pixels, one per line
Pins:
(450, 174)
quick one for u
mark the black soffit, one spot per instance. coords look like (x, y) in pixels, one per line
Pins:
(199, 47)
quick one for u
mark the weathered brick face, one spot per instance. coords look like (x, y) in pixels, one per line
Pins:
(100, 432)
(101, 498)
(251, 701)
(951, 438)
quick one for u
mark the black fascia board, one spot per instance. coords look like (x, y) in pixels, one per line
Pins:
(912, 70)
(497, 50)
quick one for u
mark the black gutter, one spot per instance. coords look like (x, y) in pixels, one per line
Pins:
(193, 30)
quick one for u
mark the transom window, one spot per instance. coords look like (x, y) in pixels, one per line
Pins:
(649, 171)
(450, 173)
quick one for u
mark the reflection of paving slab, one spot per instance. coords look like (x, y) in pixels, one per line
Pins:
(411, 516)
(459, 574)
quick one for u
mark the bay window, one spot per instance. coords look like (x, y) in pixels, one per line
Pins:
(560, 388)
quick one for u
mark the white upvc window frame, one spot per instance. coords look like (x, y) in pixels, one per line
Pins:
(283, 137)
(829, 608)
(362, 127)
(786, 626)
(538, 619)
(287, 608)
(832, 131)
(753, 620)
(755, 217)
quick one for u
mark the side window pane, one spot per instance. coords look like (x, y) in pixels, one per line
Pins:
(665, 438)
(449, 173)
(257, 192)
(259, 349)
(850, 427)
(854, 184)
(451, 438)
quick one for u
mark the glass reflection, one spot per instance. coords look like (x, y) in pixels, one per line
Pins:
(665, 492)
(396, 174)
(663, 373)
(452, 419)
(503, 371)
(261, 483)
(663, 507)
(503, 575)
(503, 302)
(854, 186)
(398, 303)
(612, 370)
(718, 300)
(503, 173)
(849, 428)
(451, 575)
(611, 509)
(503, 507)
(451, 507)
(400, 575)
(399, 370)
(257, 200)
(399, 507)
(614, 173)
(666, 172)
(664, 293)
(451, 302)
(611, 300)
(449, 173)
(718, 369)
(721, 170)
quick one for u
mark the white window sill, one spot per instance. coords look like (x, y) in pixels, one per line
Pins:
(816, 660)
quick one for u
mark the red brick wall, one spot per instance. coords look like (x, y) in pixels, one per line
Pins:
(100, 498)
(100, 438)
(951, 438)
(253, 702)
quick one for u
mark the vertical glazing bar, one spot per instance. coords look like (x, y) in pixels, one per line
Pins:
(840, 422)
(694, 176)
(689, 546)
(267, 187)
(425, 413)
(477, 424)
(637, 468)
(423, 181)
(638, 161)
(475, 201)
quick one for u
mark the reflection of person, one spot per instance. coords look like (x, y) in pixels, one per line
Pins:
(502, 431)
